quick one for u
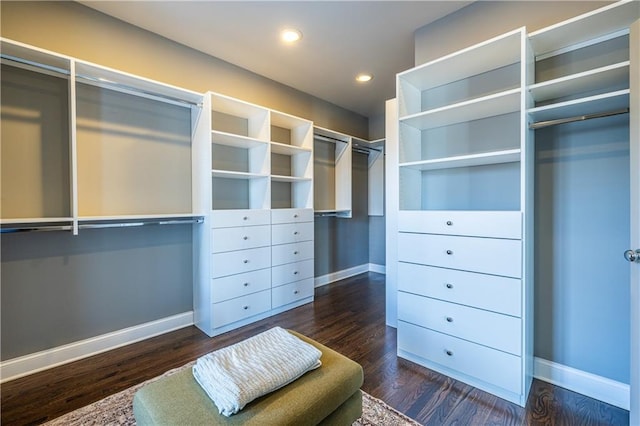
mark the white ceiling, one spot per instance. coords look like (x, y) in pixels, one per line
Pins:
(340, 39)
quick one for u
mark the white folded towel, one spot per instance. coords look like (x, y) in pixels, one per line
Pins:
(236, 375)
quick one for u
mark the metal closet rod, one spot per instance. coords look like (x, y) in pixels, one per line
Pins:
(329, 139)
(35, 64)
(547, 123)
(98, 81)
(101, 225)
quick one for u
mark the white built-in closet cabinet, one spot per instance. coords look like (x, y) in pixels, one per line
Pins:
(465, 164)
(256, 251)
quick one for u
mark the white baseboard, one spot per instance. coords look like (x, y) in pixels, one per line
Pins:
(346, 273)
(591, 385)
(340, 275)
(380, 269)
(32, 363)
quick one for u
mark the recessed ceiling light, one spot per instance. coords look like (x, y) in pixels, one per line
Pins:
(290, 35)
(364, 77)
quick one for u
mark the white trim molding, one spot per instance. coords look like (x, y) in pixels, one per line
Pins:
(39, 361)
(380, 269)
(340, 275)
(349, 272)
(594, 386)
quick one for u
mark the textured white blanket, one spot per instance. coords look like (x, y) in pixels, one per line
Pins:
(238, 374)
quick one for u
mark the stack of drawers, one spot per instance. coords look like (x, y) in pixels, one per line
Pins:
(240, 265)
(291, 255)
(460, 295)
(261, 264)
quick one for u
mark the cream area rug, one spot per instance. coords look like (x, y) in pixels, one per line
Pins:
(117, 409)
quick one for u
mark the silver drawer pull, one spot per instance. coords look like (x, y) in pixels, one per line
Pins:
(246, 284)
(449, 223)
(295, 272)
(245, 218)
(245, 238)
(295, 252)
(295, 292)
(448, 285)
(245, 261)
(449, 252)
(295, 216)
(295, 233)
(448, 352)
(449, 319)
(245, 307)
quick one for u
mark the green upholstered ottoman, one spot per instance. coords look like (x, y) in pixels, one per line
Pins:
(328, 395)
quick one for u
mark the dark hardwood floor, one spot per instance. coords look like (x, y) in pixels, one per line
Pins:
(347, 316)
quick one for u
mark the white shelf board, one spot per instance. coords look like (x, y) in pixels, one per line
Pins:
(12, 221)
(474, 109)
(279, 178)
(235, 107)
(489, 55)
(236, 175)
(36, 56)
(485, 158)
(597, 23)
(238, 141)
(283, 148)
(287, 121)
(590, 105)
(321, 131)
(106, 77)
(581, 82)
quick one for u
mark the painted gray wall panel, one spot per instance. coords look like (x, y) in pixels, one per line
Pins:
(344, 243)
(377, 242)
(58, 288)
(582, 228)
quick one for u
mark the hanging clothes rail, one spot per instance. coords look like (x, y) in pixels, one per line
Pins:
(131, 90)
(547, 123)
(32, 65)
(329, 139)
(99, 225)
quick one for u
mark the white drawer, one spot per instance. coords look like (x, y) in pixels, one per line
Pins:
(496, 224)
(490, 292)
(236, 262)
(497, 331)
(289, 253)
(291, 233)
(292, 292)
(240, 238)
(489, 365)
(290, 272)
(240, 308)
(240, 285)
(291, 215)
(486, 255)
(243, 217)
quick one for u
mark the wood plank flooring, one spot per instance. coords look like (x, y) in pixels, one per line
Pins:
(347, 316)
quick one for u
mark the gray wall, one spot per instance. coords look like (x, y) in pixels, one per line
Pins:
(342, 243)
(377, 241)
(582, 206)
(483, 20)
(58, 288)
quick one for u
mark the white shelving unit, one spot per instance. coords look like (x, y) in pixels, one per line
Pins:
(292, 151)
(601, 89)
(255, 250)
(333, 173)
(124, 143)
(465, 178)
